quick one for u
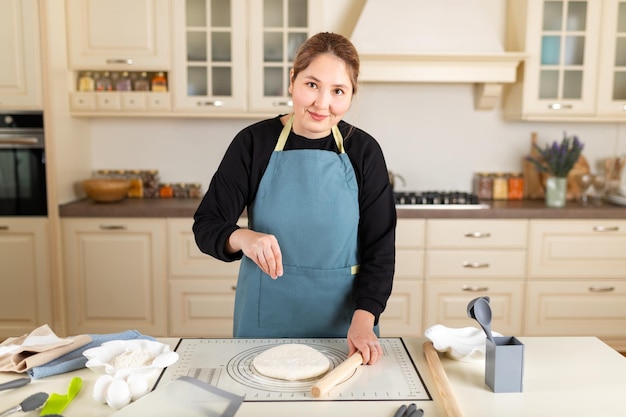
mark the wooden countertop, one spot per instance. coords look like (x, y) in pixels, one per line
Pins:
(563, 376)
(525, 209)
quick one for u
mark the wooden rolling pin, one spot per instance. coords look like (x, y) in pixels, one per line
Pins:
(441, 381)
(341, 372)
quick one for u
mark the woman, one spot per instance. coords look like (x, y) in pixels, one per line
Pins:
(318, 256)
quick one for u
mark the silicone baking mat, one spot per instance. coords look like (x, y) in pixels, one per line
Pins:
(227, 364)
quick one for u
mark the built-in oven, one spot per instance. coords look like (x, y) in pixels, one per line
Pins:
(22, 164)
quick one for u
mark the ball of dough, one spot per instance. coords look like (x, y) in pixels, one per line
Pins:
(292, 362)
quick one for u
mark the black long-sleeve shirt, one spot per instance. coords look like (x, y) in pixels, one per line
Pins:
(235, 184)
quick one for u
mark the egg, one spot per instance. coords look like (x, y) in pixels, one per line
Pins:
(118, 394)
(101, 387)
(138, 385)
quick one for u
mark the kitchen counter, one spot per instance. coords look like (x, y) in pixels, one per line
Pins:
(563, 376)
(525, 209)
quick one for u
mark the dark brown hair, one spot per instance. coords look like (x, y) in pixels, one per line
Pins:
(328, 43)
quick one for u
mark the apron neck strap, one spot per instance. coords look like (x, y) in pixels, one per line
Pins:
(284, 134)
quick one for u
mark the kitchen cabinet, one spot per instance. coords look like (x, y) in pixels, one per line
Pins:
(612, 80)
(403, 314)
(25, 299)
(201, 288)
(577, 279)
(20, 71)
(118, 34)
(574, 68)
(223, 66)
(465, 259)
(115, 275)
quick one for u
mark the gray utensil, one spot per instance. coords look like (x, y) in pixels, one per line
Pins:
(480, 310)
(31, 403)
(16, 383)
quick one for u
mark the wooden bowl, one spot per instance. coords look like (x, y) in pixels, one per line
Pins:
(106, 190)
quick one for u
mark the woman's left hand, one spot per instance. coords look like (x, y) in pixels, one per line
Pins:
(361, 337)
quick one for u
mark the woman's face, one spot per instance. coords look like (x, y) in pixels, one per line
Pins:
(321, 94)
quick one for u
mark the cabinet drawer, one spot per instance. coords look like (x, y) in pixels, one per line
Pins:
(202, 308)
(589, 308)
(410, 233)
(403, 314)
(577, 249)
(159, 101)
(82, 101)
(133, 101)
(409, 264)
(108, 101)
(186, 260)
(475, 264)
(476, 234)
(445, 302)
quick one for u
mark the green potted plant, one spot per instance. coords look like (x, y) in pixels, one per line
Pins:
(556, 160)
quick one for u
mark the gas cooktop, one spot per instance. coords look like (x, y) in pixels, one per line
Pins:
(438, 200)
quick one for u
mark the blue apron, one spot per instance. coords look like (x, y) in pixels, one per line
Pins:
(308, 199)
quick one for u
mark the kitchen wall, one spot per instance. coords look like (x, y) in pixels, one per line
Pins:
(430, 133)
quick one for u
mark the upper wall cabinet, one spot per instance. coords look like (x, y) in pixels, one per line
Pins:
(612, 82)
(118, 34)
(232, 57)
(20, 68)
(574, 69)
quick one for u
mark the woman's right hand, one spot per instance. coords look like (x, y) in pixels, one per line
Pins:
(262, 248)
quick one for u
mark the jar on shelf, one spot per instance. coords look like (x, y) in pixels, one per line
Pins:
(102, 174)
(123, 82)
(195, 190)
(483, 186)
(500, 187)
(119, 174)
(150, 180)
(159, 82)
(104, 83)
(86, 82)
(142, 83)
(166, 190)
(516, 186)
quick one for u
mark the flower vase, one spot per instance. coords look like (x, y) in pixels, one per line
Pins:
(556, 191)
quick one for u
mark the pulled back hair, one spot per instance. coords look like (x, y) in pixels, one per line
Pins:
(328, 43)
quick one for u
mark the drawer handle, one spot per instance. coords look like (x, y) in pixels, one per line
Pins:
(601, 289)
(606, 229)
(475, 265)
(216, 103)
(477, 234)
(234, 288)
(127, 61)
(112, 227)
(288, 103)
(559, 106)
(474, 288)
(4, 228)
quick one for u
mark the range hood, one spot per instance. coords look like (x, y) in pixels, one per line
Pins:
(434, 41)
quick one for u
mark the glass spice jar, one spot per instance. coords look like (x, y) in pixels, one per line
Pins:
(180, 190)
(166, 191)
(195, 190)
(136, 184)
(484, 186)
(150, 180)
(500, 187)
(516, 186)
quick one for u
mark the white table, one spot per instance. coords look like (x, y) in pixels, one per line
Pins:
(578, 376)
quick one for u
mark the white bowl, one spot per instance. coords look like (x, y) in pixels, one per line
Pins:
(465, 344)
(121, 358)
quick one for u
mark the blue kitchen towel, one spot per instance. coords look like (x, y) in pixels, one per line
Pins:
(74, 360)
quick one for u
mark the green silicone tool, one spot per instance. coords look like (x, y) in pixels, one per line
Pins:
(57, 403)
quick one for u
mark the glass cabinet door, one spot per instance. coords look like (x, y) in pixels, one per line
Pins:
(278, 28)
(612, 81)
(210, 40)
(565, 66)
